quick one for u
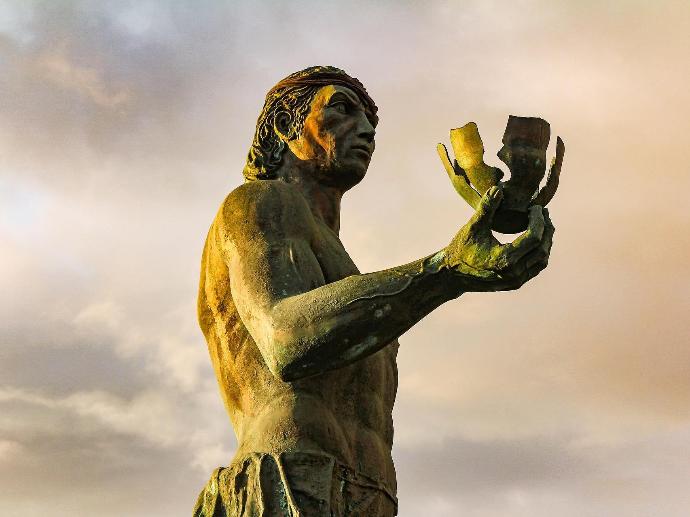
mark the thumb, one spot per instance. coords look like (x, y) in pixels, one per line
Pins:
(483, 217)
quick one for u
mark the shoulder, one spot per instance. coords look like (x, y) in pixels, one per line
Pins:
(259, 194)
(264, 207)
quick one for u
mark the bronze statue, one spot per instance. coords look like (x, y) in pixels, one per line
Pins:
(303, 344)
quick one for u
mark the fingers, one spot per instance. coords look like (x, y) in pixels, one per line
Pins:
(530, 239)
(534, 271)
(541, 252)
(535, 261)
(483, 217)
(513, 264)
(549, 230)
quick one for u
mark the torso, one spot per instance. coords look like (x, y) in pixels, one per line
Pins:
(345, 412)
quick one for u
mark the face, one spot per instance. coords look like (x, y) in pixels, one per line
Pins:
(338, 137)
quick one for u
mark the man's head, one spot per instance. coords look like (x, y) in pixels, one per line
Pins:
(321, 115)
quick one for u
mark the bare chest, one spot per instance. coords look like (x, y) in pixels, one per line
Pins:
(335, 262)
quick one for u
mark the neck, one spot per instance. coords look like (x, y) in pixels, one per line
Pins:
(324, 200)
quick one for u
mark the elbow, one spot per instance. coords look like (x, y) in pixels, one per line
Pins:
(281, 355)
(294, 350)
(279, 368)
(279, 371)
(289, 371)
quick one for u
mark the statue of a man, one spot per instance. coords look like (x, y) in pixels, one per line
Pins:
(303, 344)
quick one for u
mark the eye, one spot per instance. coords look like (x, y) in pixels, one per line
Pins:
(340, 107)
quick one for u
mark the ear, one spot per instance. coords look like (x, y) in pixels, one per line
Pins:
(282, 125)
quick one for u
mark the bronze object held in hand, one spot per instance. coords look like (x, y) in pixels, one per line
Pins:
(524, 152)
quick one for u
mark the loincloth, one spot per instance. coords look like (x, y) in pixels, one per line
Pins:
(293, 484)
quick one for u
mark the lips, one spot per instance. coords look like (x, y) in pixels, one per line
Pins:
(363, 148)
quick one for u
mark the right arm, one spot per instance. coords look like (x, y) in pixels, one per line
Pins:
(304, 326)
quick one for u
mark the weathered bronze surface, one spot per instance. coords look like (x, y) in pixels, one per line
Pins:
(524, 152)
(303, 344)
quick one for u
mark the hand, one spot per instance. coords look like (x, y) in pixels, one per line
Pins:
(484, 264)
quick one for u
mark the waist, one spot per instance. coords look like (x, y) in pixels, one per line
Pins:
(304, 422)
(322, 475)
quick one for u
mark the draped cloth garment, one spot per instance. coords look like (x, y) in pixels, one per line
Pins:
(294, 484)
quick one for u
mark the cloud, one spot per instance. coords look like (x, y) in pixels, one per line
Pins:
(105, 314)
(123, 126)
(542, 477)
(149, 415)
(55, 66)
(90, 445)
(9, 449)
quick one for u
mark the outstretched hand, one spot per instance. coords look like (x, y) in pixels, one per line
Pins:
(484, 263)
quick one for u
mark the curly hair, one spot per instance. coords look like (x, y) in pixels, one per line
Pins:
(291, 98)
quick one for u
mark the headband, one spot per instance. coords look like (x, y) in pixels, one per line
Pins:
(325, 79)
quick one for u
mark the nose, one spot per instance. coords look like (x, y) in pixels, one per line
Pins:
(365, 130)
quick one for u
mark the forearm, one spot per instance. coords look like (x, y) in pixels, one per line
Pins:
(344, 321)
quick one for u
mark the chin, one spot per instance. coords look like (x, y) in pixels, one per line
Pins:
(345, 175)
(352, 175)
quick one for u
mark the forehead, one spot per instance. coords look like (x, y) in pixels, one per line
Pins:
(325, 93)
(338, 92)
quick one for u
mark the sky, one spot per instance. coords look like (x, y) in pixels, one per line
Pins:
(123, 125)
